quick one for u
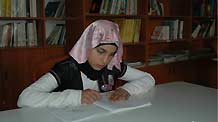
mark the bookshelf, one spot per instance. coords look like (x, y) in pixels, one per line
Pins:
(26, 25)
(178, 53)
(171, 54)
(31, 33)
(175, 18)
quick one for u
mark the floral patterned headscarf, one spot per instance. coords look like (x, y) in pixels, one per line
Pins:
(98, 32)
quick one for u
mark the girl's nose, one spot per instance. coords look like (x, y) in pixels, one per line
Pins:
(105, 59)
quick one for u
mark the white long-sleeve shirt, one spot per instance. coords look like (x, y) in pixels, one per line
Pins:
(39, 93)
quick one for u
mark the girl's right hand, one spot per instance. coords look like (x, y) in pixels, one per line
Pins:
(89, 96)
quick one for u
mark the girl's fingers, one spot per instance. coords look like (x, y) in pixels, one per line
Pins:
(90, 96)
(118, 95)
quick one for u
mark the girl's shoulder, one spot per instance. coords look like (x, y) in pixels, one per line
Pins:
(68, 63)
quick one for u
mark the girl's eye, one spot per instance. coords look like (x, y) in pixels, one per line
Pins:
(100, 51)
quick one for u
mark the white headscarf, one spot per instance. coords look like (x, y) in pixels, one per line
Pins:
(98, 32)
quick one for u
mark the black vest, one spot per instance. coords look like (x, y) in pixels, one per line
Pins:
(68, 76)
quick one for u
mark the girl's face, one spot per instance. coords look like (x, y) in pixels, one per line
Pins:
(101, 56)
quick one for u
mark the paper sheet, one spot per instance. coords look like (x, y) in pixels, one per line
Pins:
(78, 114)
(99, 109)
(133, 102)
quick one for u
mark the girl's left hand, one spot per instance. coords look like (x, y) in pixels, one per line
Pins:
(118, 95)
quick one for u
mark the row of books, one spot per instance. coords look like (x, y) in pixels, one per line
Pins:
(168, 57)
(204, 7)
(135, 64)
(156, 8)
(180, 55)
(168, 31)
(18, 34)
(54, 8)
(127, 7)
(57, 35)
(203, 29)
(129, 29)
(18, 8)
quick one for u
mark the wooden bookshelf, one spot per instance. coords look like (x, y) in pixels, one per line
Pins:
(172, 10)
(19, 63)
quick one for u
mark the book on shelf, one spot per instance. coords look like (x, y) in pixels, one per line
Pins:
(175, 55)
(137, 29)
(160, 33)
(54, 8)
(174, 25)
(155, 60)
(62, 36)
(60, 10)
(168, 57)
(57, 35)
(18, 34)
(181, 28)
(168, 30)
(203, 29)
(3, 33)
(129, 29)
(128, 7)
(95, 6)
(156, 8)
(135, 64)
(21, 32)
(196, 30)
(5, 8)
(182, 57)
(31, 34)
(33, 8)
(211, 30)
(101, 108)
(15, 8)
(203, 7)
(211, 8)
(51, 8)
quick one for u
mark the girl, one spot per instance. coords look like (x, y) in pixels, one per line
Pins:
(94, 65)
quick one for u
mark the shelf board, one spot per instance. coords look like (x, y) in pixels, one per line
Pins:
(134, 44)
(167, 42)
(55, 18)
(112, 16)
(207, 38)
(20, 18)
(203, 17)
(33, 47)
(166, 17)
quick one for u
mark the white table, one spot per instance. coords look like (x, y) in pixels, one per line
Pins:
(171, 102)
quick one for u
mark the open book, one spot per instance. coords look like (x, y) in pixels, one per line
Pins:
(100, 108)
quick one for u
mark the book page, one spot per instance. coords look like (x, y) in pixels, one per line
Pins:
(132, 103)
(78, 114)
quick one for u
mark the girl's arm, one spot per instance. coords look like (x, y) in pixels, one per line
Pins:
(139, 82)
(40, 94)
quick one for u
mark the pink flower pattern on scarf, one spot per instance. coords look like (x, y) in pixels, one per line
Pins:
(98, 32)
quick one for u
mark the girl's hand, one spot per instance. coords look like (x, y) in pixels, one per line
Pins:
(89, 96)
(118, 95)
